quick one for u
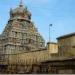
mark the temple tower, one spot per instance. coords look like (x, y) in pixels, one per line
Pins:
(20, 34)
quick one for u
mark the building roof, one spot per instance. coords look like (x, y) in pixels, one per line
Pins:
(66, 36)
(60, 59)
(52, 43)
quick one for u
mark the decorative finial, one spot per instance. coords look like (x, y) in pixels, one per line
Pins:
(21, 3)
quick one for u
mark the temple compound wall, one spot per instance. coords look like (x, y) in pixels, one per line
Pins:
(27, 57)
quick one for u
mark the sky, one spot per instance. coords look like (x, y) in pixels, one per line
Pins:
(59, 13)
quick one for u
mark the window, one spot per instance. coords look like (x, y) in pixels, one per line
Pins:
(15, 34)
(29, 17)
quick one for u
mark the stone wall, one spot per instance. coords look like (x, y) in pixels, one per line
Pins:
(66, 46)
(29, 57)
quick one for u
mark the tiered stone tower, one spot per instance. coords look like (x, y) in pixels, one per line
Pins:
(20, 34)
